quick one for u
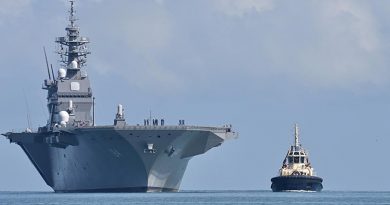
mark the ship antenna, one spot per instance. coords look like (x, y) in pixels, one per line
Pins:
(47, 63)
(296, 135)
(28, 112)
(52, 72)
(72, 18)
(75, 55)
(150, 116)
(93, 111)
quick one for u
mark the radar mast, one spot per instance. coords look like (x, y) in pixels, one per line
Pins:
(73, 49)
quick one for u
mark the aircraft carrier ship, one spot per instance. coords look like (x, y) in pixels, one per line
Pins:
(72, 154)
(296, 173)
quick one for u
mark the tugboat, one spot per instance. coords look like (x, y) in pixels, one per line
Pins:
(296, 173)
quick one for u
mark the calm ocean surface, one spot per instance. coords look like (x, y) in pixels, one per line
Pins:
(199, 197)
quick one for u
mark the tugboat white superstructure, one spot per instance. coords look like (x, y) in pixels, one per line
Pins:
(73, 155)
(296, 173)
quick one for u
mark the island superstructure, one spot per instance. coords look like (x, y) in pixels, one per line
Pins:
(72, 154)
(296, 173)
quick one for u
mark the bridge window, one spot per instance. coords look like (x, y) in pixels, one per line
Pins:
(296, 159)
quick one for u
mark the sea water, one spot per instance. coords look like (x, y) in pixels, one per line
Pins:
(199, 197)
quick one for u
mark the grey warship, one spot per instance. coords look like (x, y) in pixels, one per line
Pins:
(72, 154)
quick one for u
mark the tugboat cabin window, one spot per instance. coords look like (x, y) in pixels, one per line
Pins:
(302, 159)
(296, 159)
(290, 160)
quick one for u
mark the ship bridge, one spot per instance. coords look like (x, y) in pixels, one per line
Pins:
(296, 161)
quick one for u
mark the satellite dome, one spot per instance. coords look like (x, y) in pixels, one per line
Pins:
(62, 73)
(64, 117)
(63, 124)
(74, 64)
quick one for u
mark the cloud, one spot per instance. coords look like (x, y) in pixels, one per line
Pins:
(160, 1)
(12, 8)
(241, 7)
(346, 51)
(356, 18)
(138, 38)
(335, 44)
(147, 33)
(154, 77)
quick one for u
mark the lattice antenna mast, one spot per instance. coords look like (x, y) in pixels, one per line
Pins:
(73, 48)
(72, 12)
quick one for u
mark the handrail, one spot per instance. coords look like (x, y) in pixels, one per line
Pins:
(164, 127)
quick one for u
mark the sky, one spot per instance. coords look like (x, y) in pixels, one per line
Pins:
(260, 65)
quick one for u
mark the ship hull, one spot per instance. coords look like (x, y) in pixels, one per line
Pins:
(120, 190)
(296, 183)
(115, 160)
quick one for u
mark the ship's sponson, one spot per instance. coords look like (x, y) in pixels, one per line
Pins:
(117, 158)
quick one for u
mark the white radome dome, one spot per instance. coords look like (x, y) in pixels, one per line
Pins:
(63, 124)
(74, 64)
(64, 117)
(62, 73)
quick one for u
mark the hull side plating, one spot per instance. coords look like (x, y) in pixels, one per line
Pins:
(296, 183)
(118, 160)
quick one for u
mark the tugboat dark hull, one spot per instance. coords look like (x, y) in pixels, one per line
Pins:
(296, 183)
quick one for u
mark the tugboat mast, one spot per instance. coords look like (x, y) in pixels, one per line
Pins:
(297, 136)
